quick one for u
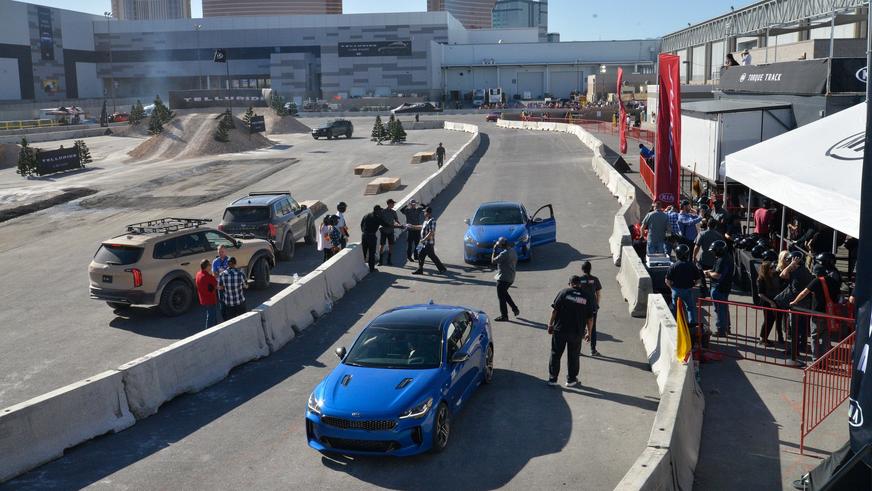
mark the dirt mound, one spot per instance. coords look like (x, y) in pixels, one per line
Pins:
(9, 155)
(192, 135)
(276, 125)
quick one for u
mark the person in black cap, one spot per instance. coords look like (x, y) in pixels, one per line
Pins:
(825, 289)
(369, 225)
(428, 243)
(342, 225)
(389, 215)
(414, 217)
(571, 318)
(592, 286)
(722, 283)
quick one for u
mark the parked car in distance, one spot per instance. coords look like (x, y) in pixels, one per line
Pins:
(271, 215)
(493, 116)
(334, 129)
(408, 373)
(119, 118)
(155, 263)
(507, 219)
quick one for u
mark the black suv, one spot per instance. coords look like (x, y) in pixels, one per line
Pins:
(271, 215)
(334, 129)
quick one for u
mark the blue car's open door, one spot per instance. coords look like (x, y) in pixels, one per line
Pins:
(543, 226)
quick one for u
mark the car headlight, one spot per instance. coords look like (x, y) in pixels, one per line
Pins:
(314, 405)
(467, 239)
(524, 238)
(418, 411)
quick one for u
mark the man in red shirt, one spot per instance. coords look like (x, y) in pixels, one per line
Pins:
(207, 290)
(763, 218)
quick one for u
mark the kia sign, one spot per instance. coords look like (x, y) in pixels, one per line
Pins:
(50, 161)
(849, 75)
(188, 99)
(862, 74)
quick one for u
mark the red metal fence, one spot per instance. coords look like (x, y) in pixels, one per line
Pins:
(826, 384)
(647, 174)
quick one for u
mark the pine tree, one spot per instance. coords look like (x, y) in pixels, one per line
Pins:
(137, 114)
(246, 118)
(277, 103)
(379, 133)
(227, 120)
(26, 159)
(155, 125)
(401, 132)
(225, 124)
(84, 152)
(292, 109)
(104, 115)
(395, 130)
(162, 111)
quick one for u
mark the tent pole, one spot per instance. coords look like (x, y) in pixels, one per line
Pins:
(783, 221)
(835, 240)
(749, 215)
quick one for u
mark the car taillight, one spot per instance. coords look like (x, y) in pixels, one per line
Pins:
(272, 231)
(137, 276)
(221, 227)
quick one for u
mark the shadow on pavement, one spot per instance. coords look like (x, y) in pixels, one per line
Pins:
(503, 427)
(554, 256)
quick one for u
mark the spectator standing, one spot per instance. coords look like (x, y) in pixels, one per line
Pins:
(414, 217)
(329, 237)
(369, 226)
(646, 152)
(722, 284)
(730, 61)
(571, 318)
(704, 258)
(505, 259)
(428, 243)
(681, 278)
(763, 219)
(796, 277)
(674, 231)
(207, 292)
(389, 215)
(655, 224)
(219, 265)
(591, 285)
(687, 222)
(719, 212)
(768, 287)
(746, 58)
(232, 283)
(342, 224)
(825, 290)
(440, 155)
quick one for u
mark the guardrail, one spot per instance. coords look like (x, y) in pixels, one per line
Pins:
(826, 384)
(647, 173)
(41, 429)
(32, 123)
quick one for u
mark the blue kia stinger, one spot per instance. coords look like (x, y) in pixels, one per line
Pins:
(510, 220)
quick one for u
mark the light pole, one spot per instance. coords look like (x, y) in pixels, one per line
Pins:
(108, 16)
(577, 78)
(197, 28)
(603, 72)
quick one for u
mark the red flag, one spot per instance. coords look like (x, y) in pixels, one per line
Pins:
(622, 119)
(667, 156)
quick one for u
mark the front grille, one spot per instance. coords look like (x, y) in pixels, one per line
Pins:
(360, 445)
(368, 425)
(485, 245)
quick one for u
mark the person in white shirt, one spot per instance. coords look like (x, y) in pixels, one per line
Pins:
(342, 225)
(746, 58)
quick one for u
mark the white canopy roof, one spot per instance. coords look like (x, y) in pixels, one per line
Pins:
(814, 169)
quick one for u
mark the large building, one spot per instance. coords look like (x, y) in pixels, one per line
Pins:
(151, 9)
(216, 8)
(522, 13)
(428, 55)
(473, 14)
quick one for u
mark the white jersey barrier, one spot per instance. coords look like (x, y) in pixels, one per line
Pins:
(193, 363)
(39, 430)
(343, 271)
(635, 282)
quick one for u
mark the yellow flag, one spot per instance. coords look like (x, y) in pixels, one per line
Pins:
(683, 344)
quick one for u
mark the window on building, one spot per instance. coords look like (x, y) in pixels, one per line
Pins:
(717, 60)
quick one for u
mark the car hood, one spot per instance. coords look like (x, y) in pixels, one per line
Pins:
(490, 233)
(374, 392)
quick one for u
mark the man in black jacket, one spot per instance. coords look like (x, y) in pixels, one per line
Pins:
(369, 226)
(571, 317)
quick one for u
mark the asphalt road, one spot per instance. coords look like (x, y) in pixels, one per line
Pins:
(53, 334)
(248, 431)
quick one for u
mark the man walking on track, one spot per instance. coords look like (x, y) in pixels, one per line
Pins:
(440, 155)
(414, 216)
(428, 243)
(590, 284)
(571, 315)
(506, 260)
(387, 233)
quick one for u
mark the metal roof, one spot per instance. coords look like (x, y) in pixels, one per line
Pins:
(718, 106)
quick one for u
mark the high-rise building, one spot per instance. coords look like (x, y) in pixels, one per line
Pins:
(473, 14)
(522, 13)
(215, 8)
(151, 9)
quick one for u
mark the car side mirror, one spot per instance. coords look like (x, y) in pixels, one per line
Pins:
(303, 207)
(238, 244)
(466, 221)
(459, 357)
(340, 352)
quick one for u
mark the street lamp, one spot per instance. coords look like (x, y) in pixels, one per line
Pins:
(197, 28)
(108, 16)
(602, 71)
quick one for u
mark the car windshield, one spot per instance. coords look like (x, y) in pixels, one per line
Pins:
(246, 214)
(117, 254)
(397, 347)
(498, 215)
(327, 125)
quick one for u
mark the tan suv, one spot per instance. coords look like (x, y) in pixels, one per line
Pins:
(155, 263)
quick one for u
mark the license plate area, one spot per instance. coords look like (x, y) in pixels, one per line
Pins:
(107, 278)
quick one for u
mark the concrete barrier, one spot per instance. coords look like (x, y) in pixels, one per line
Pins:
(343, 271)
(39, 430)
(659, 335)
(652, 471)
(193, 363)
(620, 237)
(635, 282)
(294, 309)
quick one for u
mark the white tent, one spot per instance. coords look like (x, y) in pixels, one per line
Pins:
(814, 169)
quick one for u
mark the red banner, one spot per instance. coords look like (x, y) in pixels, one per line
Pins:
(622, 115)
(667, 157)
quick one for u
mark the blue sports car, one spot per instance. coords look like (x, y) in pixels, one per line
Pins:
(510, 220)
(395, 391)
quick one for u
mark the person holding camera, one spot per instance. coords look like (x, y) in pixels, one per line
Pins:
(389, 215)
(505, 259)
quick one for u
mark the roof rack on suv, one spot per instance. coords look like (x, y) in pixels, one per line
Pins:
(267, 193)
(166, 225)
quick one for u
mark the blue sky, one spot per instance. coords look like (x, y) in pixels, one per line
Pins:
(575, 20)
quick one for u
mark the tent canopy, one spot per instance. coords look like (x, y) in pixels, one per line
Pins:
(814, 169)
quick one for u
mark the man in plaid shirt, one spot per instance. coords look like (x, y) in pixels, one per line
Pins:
(428, 242)
(232, 282)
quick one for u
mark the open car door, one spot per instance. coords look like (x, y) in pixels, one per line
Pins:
(543, 226)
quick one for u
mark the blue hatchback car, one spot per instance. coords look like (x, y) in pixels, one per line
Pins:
(406, 375)
(510, 220)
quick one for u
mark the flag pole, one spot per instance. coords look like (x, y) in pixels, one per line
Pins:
(229, 93)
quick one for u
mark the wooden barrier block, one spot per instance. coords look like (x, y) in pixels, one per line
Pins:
(315, 206)
(369, 170)
(381, 184)
(423, 157)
